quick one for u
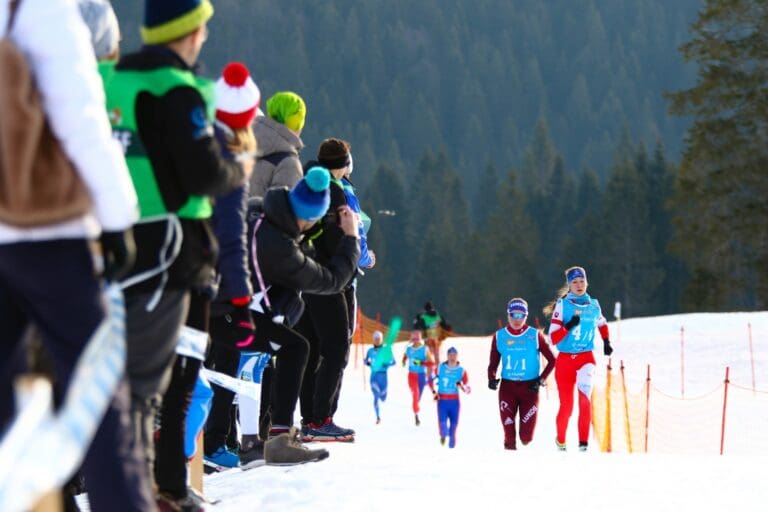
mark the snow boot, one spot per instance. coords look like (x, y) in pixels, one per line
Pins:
(287, 450)
(251, 452)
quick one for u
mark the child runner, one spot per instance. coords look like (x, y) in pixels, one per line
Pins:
(419, 361)
(575, 316)
(451, 378)
(517, 347)
(378, 372)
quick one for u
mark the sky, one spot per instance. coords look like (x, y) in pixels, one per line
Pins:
(398, 466)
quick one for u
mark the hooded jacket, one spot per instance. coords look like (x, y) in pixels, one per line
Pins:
(271, 138)
(284, 267)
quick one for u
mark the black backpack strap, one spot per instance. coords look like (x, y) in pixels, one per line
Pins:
(276, 157)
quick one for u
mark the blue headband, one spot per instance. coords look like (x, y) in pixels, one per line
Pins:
(452, 350)
(575, 273)
(517, 306)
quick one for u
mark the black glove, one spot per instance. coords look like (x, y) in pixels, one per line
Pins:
(493, 384)
(607, 348)
(235, 329)
(436, 396)
(119, 253)
(573, 322)
(534, 385)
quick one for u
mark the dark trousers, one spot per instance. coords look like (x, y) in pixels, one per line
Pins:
(291, 350)
(152, 338)
(222, 358)
(325, 324)
(52, 285)
(517, 403)
(171, 462)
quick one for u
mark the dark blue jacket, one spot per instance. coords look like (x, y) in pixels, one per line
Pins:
(230, 230)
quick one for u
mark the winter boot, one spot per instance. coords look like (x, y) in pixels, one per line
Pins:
(287, 450)
(251, 452)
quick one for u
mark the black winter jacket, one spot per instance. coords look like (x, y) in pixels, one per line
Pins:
(284, 267)
(186, 161)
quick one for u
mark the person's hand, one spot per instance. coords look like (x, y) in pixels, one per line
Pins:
(119, 252)
(435, 396)
(573, 322)
(416, 362)
(403, 363)
(348, 221)
(607, 348)
(236, 328)
(372, 255)
(493, 384)
(534, 385)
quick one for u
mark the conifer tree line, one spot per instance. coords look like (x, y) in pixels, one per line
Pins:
(514, 139)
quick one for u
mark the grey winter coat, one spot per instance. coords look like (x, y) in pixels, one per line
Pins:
(273, 137)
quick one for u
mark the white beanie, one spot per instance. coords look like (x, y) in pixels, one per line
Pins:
(102, 23)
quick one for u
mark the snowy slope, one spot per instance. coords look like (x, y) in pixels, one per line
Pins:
(398, 466)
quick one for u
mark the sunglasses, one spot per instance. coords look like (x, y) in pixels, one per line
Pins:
(517, 316)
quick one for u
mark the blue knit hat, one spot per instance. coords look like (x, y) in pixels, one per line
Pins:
(310, 197)
(167, 20)
(452, 350)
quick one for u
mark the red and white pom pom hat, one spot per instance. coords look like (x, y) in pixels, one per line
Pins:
(237, 96)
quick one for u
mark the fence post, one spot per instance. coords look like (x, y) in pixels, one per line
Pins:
(627, 427)
(682, 362)
(725, 402)
(751, 356)
(357, 337)
(607, 445)
(647, 404)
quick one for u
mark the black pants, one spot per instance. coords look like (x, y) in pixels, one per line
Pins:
(152, 338)
(291, 350)
(171, 461)
(52, 285)
(223, 358)
(325, 323)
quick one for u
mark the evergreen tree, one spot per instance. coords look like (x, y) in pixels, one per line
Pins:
(720, 205)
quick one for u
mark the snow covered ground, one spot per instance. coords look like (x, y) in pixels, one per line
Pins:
(397, 465)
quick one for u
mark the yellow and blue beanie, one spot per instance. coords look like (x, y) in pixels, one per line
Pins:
(168, 20)
(311, 197)
(287, 108)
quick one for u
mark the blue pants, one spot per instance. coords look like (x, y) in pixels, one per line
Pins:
(448, 419)
(379, 388)
(52, 285)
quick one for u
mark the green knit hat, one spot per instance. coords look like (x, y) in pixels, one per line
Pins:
(167, 20)
(287, 108)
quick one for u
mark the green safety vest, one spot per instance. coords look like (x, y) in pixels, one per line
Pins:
(122, 88)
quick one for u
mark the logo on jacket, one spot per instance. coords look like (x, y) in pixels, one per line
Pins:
(200, 125)
(115, 116)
